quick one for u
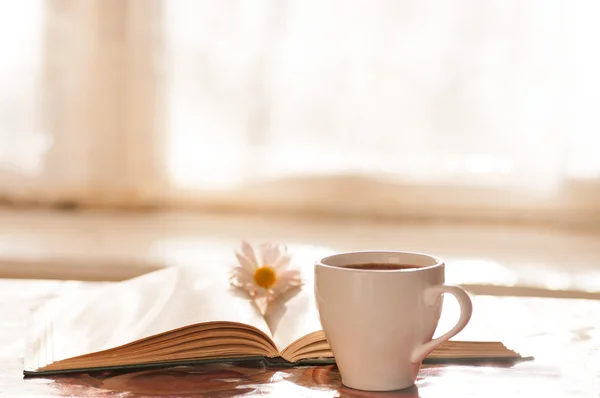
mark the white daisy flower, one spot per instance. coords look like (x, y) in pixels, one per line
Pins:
(266, 274)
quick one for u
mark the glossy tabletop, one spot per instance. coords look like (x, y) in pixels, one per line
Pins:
(562, 334)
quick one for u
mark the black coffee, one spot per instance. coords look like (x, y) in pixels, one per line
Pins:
(380, 266)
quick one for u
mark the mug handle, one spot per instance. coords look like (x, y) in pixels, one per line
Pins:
(466, 309)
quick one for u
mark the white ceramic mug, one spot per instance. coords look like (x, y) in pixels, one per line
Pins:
(380, 323)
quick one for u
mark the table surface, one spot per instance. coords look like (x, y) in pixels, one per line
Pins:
(562, 334)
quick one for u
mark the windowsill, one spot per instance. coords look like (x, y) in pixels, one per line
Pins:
(93, 245)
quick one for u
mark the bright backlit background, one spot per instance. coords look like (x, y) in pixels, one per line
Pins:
(464, 109)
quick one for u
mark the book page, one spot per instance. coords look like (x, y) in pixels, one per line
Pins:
(124, 312)
(294, 315)
(294, 318)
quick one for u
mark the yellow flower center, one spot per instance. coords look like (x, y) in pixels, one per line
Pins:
(265, 276)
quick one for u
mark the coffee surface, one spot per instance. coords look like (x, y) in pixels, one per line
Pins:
(380, 266)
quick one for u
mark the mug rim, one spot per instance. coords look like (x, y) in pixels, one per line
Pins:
(438, 261)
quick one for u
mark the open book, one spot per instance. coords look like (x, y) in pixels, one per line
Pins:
(188, 315)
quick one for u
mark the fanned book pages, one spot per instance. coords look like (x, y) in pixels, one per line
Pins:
(190, 315)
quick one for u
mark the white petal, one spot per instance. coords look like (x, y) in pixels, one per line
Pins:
(259, 292)
(249, 288)
(239, 278)
(243, 275)
(270, 255)
(291, 277)
(285, 281)
(275, 292)
(249, 252)
(278, 289)
(282, 263)
(245, 262)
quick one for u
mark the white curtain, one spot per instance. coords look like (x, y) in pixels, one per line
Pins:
(455, 109)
